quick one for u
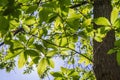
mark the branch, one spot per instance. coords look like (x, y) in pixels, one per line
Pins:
(63, 47)
(69, 49)
(18, 30)
(79, 4)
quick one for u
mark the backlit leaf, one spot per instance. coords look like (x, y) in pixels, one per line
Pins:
(30, 20)
(22, 60)
(42, 66)
(114, 15)
(51, 53)
(12, 55)
(102, 21)
(56, 74)
(50, 62)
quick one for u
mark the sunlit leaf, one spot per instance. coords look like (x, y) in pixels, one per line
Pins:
(87, 22)
(30, 20)
(42, 66)
(84, 60)
(58, 22)
(12, 55)
(114, 15)
(22, 38)
(102, 21)
(51, 53)
(51, 63)
(22, 60)
(64, 41)
(56, 74)
(40, 33)
(71, 45)
(117, 23)
(35, 60)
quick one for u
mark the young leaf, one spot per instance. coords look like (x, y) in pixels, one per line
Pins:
(22, 60)
(114, 15)
(102, 21)
(64, 41)
(42, 66)
(117, 23)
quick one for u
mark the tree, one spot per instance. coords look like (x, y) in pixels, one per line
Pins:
(105, 65)
(40, 30)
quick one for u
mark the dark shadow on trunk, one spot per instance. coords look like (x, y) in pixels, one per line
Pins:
(105, 66)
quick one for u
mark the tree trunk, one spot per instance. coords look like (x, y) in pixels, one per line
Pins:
(105, 66)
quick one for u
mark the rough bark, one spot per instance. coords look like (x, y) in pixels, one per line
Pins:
(105, 66)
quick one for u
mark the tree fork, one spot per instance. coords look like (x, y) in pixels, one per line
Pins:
(105, 66)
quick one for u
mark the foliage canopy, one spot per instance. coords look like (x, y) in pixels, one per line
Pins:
(36, 31)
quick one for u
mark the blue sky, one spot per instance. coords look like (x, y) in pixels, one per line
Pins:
(17, 74)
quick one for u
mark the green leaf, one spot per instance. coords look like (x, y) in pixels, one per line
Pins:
(23, 1)
(111, 51)
(56, 74)
(12, 55)
(31, 9)
(64, 41)
(3, 2)
(22, 60)
(102, 21)
(64, 70)
(4, 25)
(35, 60)
(58, 22)
(84, 60)
(31, 40)
(117, 43)
(43, 14)
(42, 66)
(117, 23)
(40, 33)
(40, 48)
(30, 20)
(72, 45)
(114, 15)
(31, 53)
(59, 78)
(87, 22)
(51, 53)
(50, 62)
(118, 57)
(22, 38)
